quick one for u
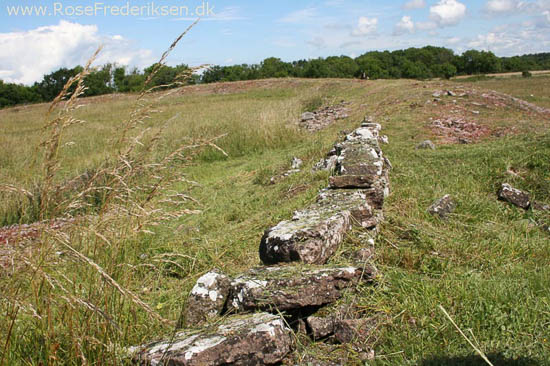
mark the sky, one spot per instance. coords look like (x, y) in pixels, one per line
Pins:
(135, 33)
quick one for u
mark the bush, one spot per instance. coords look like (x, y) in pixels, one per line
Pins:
(526, 74)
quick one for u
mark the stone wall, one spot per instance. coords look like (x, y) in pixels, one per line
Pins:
(255, 312)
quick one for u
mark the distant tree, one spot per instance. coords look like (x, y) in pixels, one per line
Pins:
(99, 81)
(274, 68)
(13, 94)
(480, 62)
(52, 84)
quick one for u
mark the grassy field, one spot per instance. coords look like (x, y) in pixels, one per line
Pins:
(487, 265)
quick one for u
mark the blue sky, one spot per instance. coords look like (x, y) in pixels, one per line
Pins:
(249, 31)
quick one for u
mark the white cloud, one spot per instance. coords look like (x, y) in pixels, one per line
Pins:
(28, 55)
(514, 39)
(547, 15)
(415, 4)
(405, 25)
(365, 26)
(501, 6)
(447, 12)
(302, 16)
(453, 40)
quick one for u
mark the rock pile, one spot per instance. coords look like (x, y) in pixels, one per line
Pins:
(321, 118)
(296, 283)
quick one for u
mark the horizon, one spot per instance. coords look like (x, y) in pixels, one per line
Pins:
(234, 32)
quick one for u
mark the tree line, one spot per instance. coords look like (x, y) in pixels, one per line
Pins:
(412, 63)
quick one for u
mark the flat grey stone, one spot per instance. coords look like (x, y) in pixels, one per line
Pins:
(293, 287)
(314, 234)
(256, 339)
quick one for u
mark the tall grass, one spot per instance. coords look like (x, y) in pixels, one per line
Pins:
(65, 297)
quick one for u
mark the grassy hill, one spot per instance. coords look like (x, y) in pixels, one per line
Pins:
(487, 265)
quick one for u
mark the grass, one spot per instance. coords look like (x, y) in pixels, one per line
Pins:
(487, 265)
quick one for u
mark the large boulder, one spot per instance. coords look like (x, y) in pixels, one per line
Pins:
(514, 196)
(256, 339)
(293, 287)
(314, 234)
(207, 298)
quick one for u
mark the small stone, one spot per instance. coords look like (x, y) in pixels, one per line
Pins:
(443, 207)
(353, 330)
(426, 145)
(364, 254)
(384, 139)
(539, 206)
(437, 94)
(320, 327)
(256, 339)
(514, 196)
(207, 298)
(296, 163)
(451, 93)
(307, 116)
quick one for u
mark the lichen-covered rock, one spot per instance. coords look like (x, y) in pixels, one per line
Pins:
(353, 330)
(425, 145)
(320, 327)
(514, 196)
(257, 339)
(327, 164)
(314, 234)
(538, 206)
(443, 207)
(293, 287)
(207, 298)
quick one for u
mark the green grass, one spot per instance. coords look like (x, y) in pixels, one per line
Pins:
(487, 265)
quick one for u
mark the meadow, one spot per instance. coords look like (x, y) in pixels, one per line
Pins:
(86, 295)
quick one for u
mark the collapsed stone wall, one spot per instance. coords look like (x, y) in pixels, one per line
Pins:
(256, 310)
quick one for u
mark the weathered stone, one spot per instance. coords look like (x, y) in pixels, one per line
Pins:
(426, 145)
(353, 330)
(207, 298)
(327, 164)
(360, 158)
(539, 206)
(514, 196)
(443, 207)
(293, 287)
(364, 254)
(307, 116)
(296, 163)
(315, 233)
(352, 181)
(257, 339)
(320, 327)
(384, 139)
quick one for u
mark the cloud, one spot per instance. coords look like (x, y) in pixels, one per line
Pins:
(414, 4)
(28, 55)
(365, 26)
(502, 6)
(405, 25)
(447, 12)
(302, 16)
(513, 39)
